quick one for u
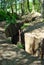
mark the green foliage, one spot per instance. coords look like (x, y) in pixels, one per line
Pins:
(25, 25)
(2, 15)
(7, 16)
(31, 5)
(10, 19)
(37, 6)
(16, 16)
(20, 45)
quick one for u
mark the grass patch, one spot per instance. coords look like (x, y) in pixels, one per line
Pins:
(19, 45)
(25, 25)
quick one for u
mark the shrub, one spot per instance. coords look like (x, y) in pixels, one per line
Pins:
(20, 45)
(10, 19)
(2, 15)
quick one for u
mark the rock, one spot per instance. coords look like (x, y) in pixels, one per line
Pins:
(30, 39)
(42, 49)
(35, 14)
(34, 29)
(30, 17)
(28, 43)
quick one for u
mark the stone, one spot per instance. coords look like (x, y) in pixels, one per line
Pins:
(30, 39)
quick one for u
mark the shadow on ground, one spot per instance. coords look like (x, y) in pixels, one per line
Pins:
(11, 55)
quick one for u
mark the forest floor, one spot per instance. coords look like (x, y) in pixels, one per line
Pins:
(10, 54)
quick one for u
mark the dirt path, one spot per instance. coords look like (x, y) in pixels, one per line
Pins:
(11, 55)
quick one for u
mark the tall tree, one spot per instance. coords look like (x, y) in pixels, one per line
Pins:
(16, 5)
(28, 5)
(22, 6)
(42, 8)
(33, 5)
(10, 5)
(33, 2)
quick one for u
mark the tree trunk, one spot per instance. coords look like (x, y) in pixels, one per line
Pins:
(33, 2)
(33, 6)
(16, 5)
(28, 5)
(42, 8)
(12, 9)
(22, 10)
(22, 7)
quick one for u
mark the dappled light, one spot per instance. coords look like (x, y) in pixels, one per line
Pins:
(13, 54)
(21, 32)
